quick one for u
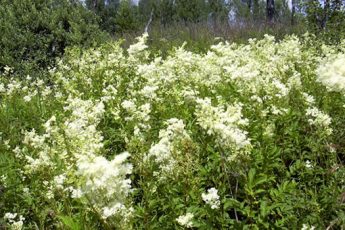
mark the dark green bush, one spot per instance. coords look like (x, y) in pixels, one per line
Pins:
(35, 32)
(127, 17)
(327, 21)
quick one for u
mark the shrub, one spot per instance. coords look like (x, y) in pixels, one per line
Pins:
(35, 32)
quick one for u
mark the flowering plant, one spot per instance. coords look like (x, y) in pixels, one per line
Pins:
(239, 137)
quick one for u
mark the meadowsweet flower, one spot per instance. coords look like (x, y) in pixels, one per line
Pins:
(33, 139)
(7, 144)
(128, 105)
(28, 97)
(278, 111)
(310, 100)
(283, 91)
(307, 227)
(2, 88)
(223, 123)
(211, 198)
(186, 220)
(213, 93)
(13, 86)
(26, 191)
(14, 224)
(319, 119)
(256, 98)
(59, 181)
(50, 127)
(104, 182)
(50, 194)
(136, 49)
(295, 81)
(308, 164)
(75, 193)
(149, 91)
(331, 73)
(3, 179)
(269, 130)
(111, 211)
(144, 112)
(8, 69)
(162, 152)
(18, 225)
(10, 216)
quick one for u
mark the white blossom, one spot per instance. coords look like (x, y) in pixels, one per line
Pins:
(186, 220)
(331, 73)
(211, 198)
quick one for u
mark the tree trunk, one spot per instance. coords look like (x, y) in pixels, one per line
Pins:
(95, 4)
(249, 3)
(149, 22)
(270, 10)
(255, 9)
(326, 12)
(293, 11)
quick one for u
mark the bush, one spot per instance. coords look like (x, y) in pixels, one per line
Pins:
(327, 21)
(35, 32)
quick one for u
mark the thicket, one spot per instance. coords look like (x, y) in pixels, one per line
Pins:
(327, 19)
(35, 32)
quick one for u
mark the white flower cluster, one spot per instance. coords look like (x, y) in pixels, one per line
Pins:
(332, 73)
(79, 143)
(14, 224)
(211, 198)
(308, 164)
(319, 119)
(224, 123)
(162, 152)
(186, 220)
(136, 49)
(44, 152)
(105, 182)
(308, 227)
(309, 99)
(27, 89)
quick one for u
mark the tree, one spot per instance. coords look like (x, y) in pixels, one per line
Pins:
(127, 17)
(191, 10)
(217, 7)
(163, 10)
(166, 11)
(256, 9)
(106, 10)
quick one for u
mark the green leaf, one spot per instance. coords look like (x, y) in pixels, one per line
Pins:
(231, 203)
(70, 223)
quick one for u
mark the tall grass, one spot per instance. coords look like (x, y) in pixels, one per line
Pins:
(201, 35)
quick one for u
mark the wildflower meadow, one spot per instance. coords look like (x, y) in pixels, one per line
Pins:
(243, 136)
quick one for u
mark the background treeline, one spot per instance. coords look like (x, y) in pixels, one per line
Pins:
(35, 32)
(119, 16)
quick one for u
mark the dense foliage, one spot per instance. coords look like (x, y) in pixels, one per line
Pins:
(35, 32)
(244, 136)
(327, 19)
